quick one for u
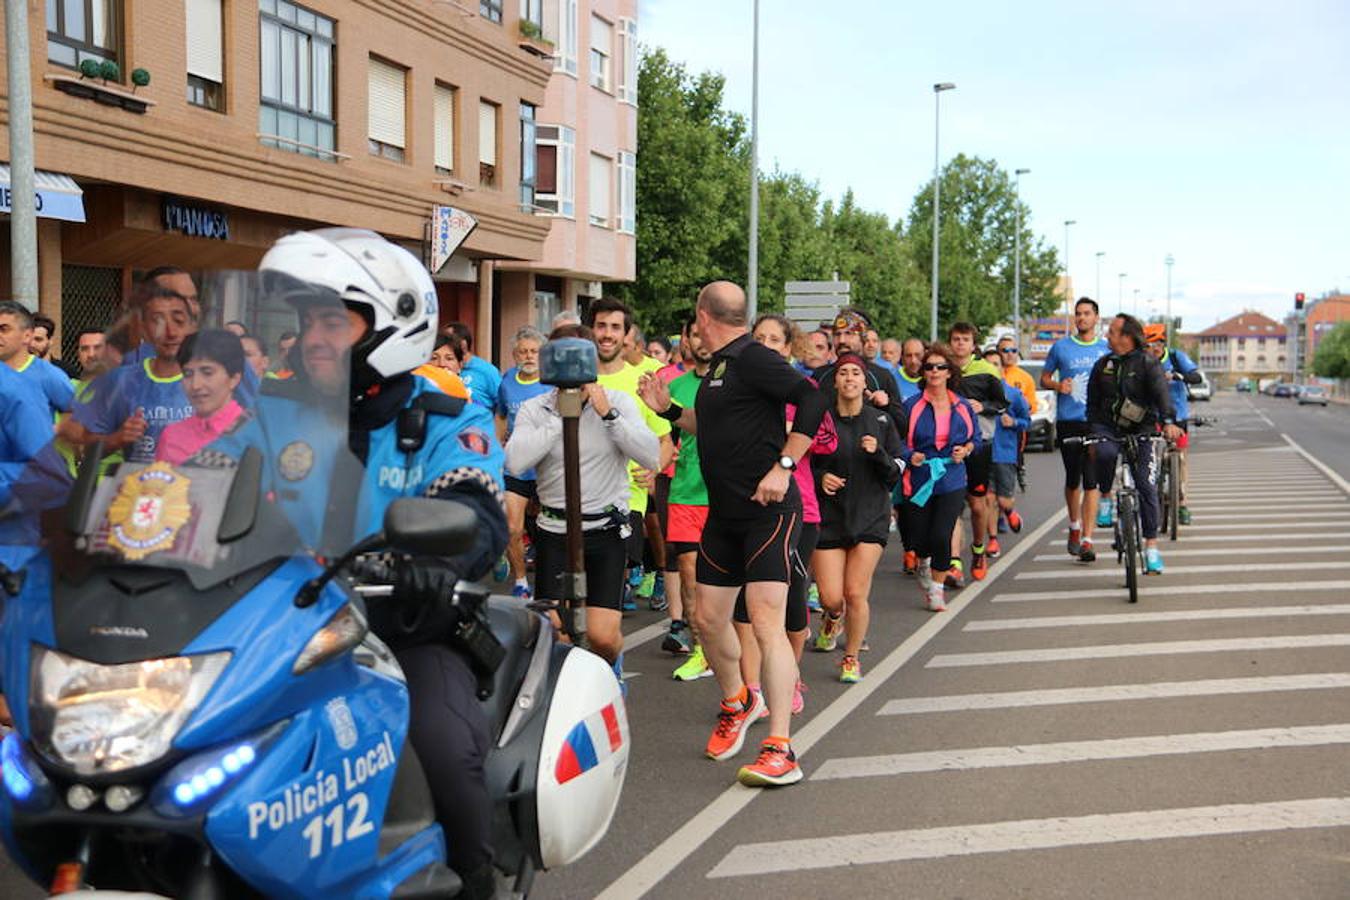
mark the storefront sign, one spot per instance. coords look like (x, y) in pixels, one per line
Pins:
(57, 196)
(449, 228)
(194, 220)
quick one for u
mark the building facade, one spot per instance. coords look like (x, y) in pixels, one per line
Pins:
(585, 173)
(1250, 345)
(1320, 318)
(223, 124)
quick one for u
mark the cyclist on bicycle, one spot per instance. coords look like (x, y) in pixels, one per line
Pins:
(1180, 370)
(1128, 395)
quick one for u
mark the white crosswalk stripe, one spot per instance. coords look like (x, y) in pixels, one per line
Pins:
(1083, 571)
(1205, 687)
(1175, 615)
(1275, 589)
(1173, 552)
(1079, 751)
(1150, 648)
(1031, 834)
(1193, 538)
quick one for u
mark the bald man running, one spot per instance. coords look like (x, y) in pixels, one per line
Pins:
(754, 518)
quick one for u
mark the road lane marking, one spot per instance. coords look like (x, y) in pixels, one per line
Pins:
(1176, 615)
(1322, 467)
(1226, 538)
(1115, 693)
(1256, 480)
(1031, 834)
(1112, 572)
(645, 634)
(966, 758)
(1279, 588)
(1338, 510)
(1206, 507)
(1296, 520)
(1274, 548)
(663, 859)
(1151, 648)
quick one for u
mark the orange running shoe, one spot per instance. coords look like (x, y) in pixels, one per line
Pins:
(729, 736)
(776, 767)
(911, 562)
(979, 566)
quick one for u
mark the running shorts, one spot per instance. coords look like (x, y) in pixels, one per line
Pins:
(978, 465)
(734, 552)
(685, 523)
(1003, 479)
(603, 558)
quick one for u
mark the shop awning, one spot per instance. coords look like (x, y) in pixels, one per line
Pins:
(58, 196)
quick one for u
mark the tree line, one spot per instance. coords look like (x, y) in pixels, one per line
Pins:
(693, 194)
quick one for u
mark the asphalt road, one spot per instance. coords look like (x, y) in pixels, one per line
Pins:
(1042, 738)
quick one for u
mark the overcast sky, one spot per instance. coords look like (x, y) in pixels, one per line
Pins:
(1216, 131)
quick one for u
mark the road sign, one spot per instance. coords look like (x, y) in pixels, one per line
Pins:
(811, 302)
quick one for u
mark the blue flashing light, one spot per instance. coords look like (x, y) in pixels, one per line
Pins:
(17, 782)
(23, 780)
(206, 777)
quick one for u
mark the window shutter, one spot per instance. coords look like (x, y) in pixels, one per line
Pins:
(487, 133)
(602, 36)
(444, 113)
(546, 168)
(386, 123)
(600, 190)
(205, 47)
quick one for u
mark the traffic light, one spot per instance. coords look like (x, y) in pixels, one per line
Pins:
(1298, 301)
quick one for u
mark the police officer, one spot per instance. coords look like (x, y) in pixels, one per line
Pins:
(368, 316)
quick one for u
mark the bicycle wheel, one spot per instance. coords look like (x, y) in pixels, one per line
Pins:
(1173, 470)
(1129, 539)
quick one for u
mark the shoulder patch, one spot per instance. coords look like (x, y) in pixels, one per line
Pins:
(475, 440)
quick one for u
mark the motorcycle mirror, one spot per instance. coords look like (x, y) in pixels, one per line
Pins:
(427, 527)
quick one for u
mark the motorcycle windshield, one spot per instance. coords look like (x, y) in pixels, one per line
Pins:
(221, 452)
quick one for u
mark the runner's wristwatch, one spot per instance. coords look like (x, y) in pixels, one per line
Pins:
(788, 463)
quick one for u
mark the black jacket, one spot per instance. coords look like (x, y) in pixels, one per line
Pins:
(1136, 379)
(879, 378)
(861, 509)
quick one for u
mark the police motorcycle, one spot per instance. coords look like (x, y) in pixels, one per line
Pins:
(201, 709)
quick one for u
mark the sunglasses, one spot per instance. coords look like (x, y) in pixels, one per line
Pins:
(1007, 350)
(936, 367)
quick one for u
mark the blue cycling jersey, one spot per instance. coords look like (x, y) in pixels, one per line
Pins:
(482, 379)
(46, 382)
(1177, 361)
(1071, 358)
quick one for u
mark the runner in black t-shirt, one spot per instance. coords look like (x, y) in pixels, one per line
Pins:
(754, 518)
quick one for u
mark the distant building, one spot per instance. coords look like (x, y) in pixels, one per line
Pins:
(1320, 317)
(1249, 344)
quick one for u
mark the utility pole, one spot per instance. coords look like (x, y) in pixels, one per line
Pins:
(23, 187)
(1169, 260)
(937, 210)
(1068, 293)
(752, 289)
(1017, 257)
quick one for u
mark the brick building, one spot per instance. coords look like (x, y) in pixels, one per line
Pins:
(264, 116)
(1249, 344)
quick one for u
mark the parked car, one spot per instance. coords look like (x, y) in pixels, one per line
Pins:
(1284, 389)
(1312, 393)
(1201, 391)
(1041, 434)
(1244, 386)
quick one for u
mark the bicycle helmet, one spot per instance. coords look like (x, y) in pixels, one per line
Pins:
(383, 283)
(1155, 333)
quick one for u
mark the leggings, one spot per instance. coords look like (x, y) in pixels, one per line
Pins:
(797, 615)
(904, 524)
(1145, 480)
(932, 525)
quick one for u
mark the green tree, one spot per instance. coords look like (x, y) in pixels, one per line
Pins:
(979, 219)
(692, 181)
(1332, 359)
(869, 252)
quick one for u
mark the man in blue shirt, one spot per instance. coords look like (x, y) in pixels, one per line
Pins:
(1180, 370)
(479, 376)
(519, 384)
(872, 353)
(37, 376)
(1067, 368)
(131, 406)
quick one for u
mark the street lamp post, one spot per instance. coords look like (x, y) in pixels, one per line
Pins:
(23, 191)
(1136, 303)
(1017, 257)
(1098, 295)
(752, 292)
(937, 180)
(1120, 293)
(1068, 295)
(1169, 260)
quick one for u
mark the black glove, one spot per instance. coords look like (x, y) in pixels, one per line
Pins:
(424, 581)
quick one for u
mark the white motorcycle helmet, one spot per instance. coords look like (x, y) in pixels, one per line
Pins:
(381, 281)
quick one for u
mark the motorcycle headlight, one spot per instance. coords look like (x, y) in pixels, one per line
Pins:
(98, 719)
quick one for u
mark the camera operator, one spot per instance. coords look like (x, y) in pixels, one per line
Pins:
(612, 432)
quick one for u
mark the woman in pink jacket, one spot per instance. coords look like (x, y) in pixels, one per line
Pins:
(780, 333)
